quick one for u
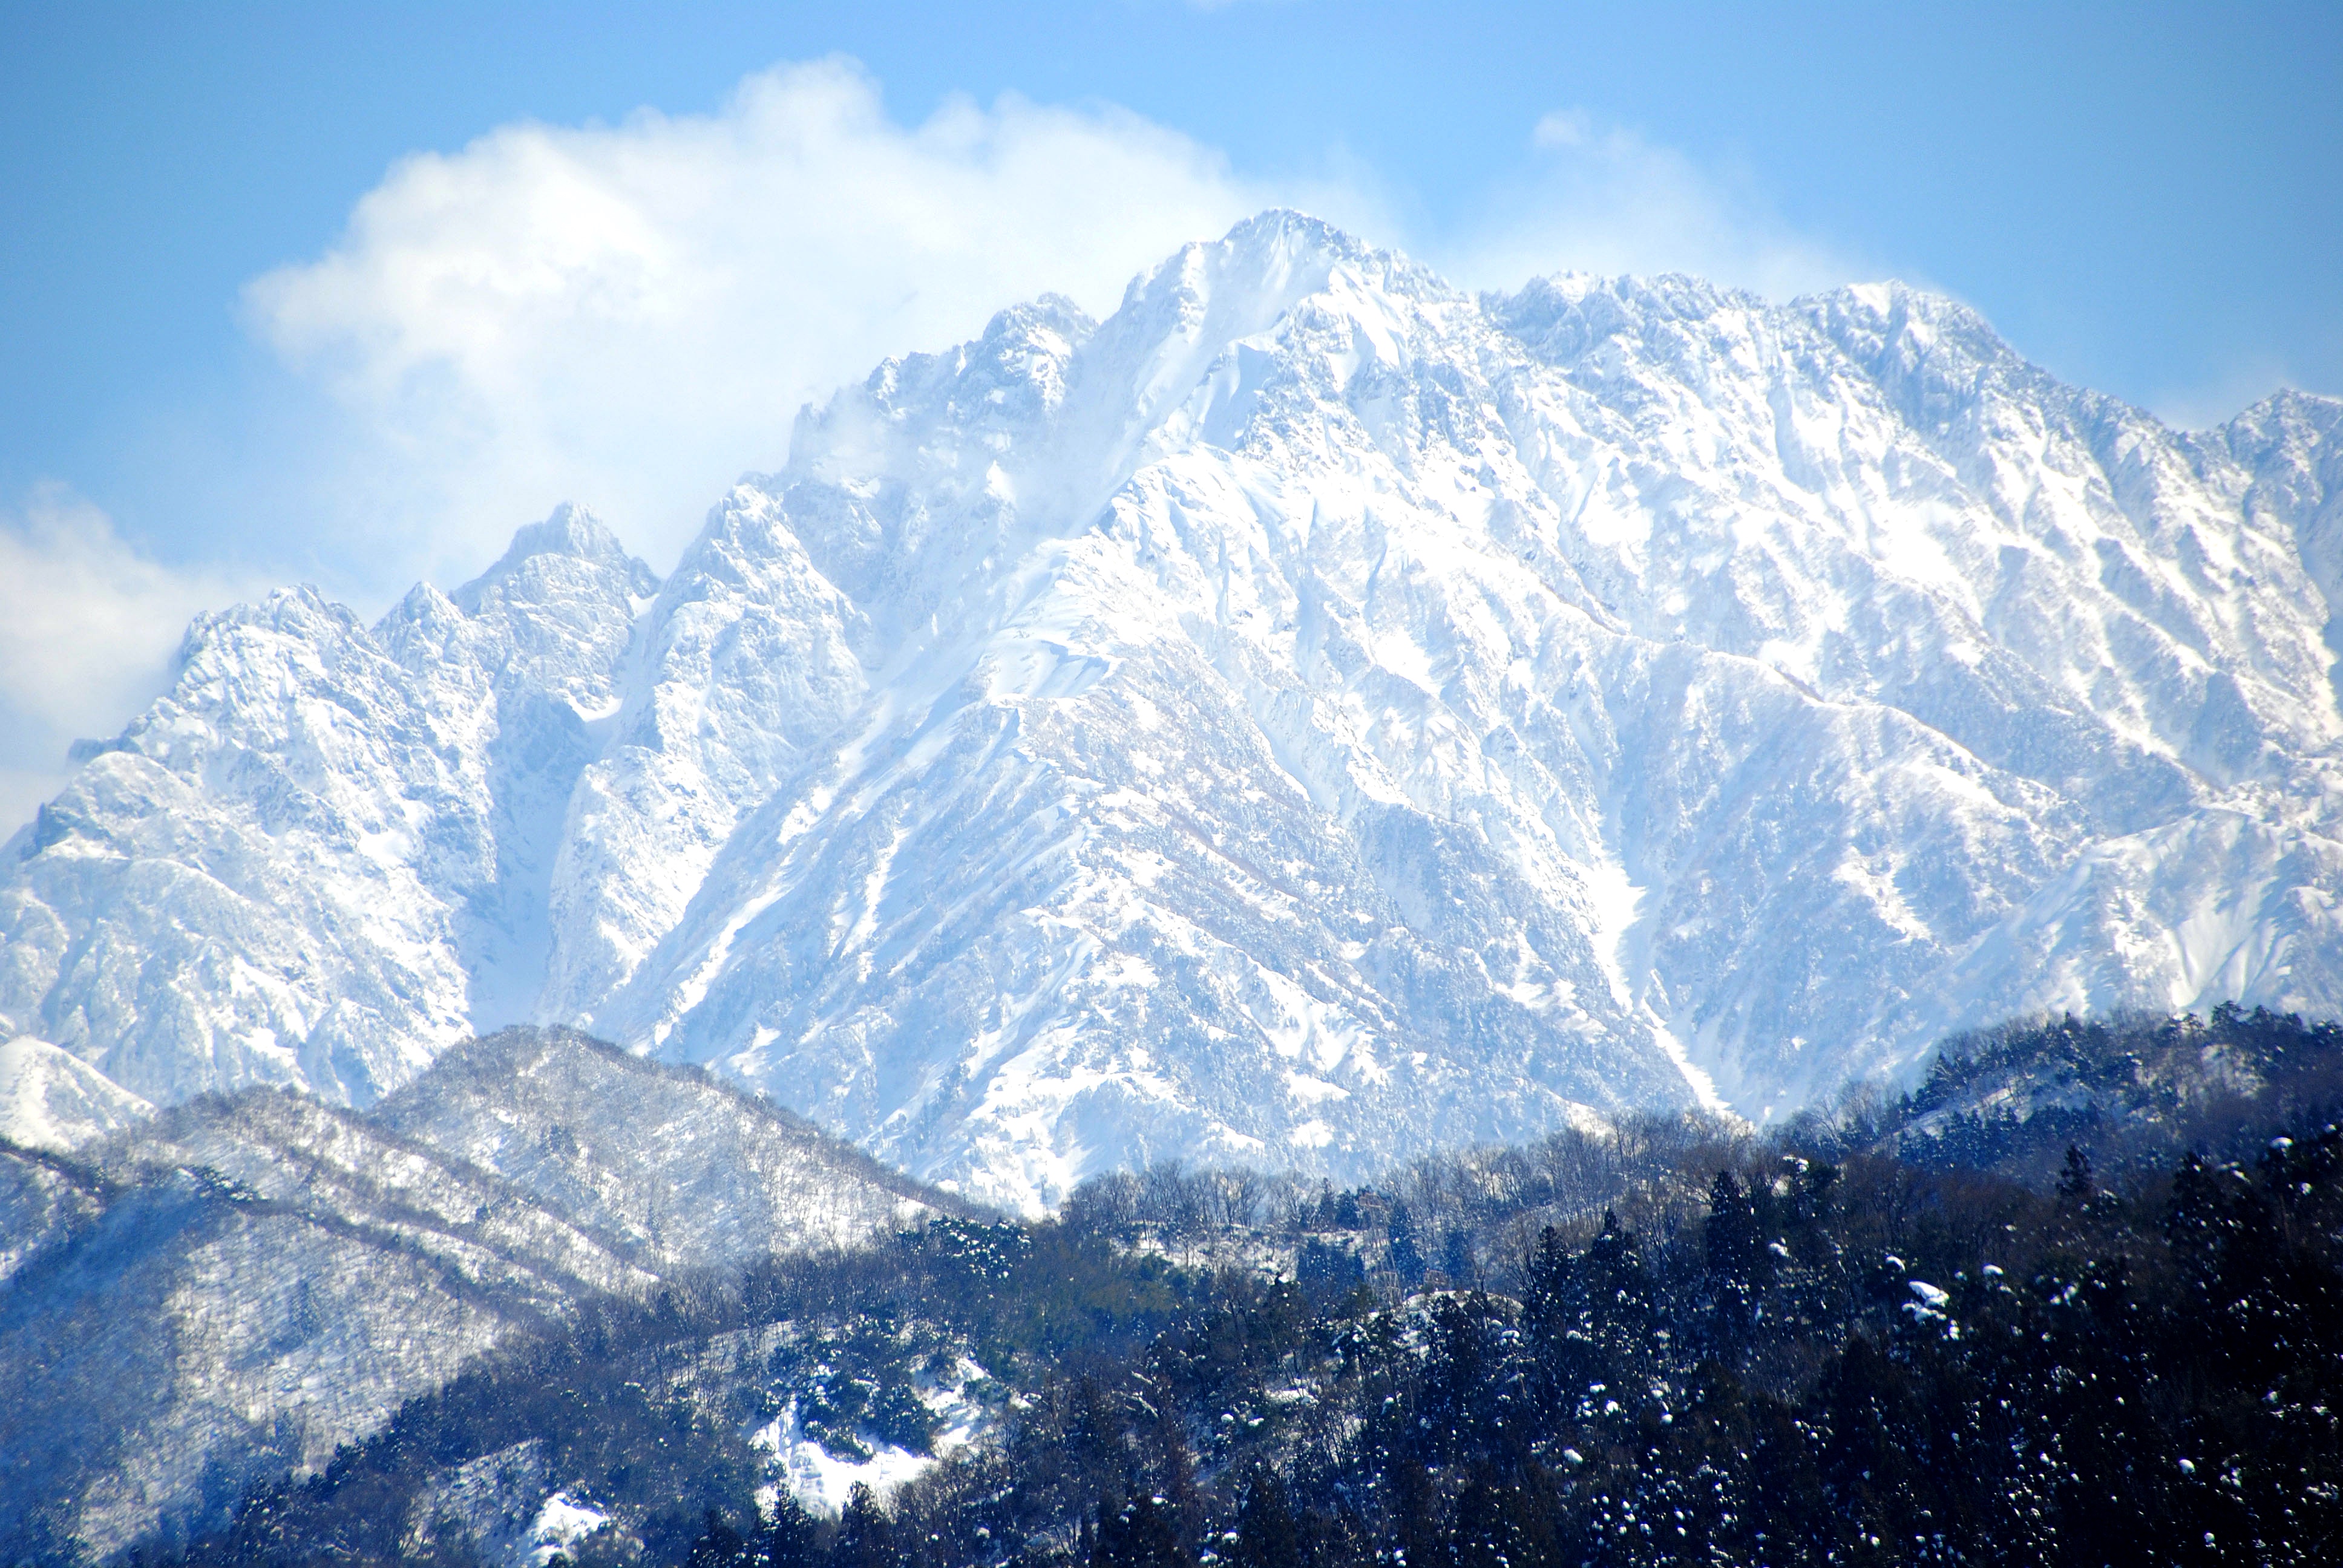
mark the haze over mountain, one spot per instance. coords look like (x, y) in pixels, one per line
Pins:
(1309, 715)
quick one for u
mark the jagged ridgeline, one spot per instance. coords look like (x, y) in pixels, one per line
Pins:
(1672, 1340)
(1309, 715)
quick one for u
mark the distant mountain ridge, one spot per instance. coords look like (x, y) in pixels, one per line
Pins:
(1309, 715)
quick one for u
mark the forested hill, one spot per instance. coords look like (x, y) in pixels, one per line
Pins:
(2133, 1091)
(1674, 1343)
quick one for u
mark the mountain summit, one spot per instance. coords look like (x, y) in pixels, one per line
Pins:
(1311, 715)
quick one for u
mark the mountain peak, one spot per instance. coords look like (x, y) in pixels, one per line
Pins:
(1044, 317)
(51, 1098)
(1274, 259)
(1284, 231)
(571, 531)
(1282, 242)
(1909, 324)
(2290, 405)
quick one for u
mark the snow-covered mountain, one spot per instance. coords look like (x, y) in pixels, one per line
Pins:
(1310, 715)
(242, 1283)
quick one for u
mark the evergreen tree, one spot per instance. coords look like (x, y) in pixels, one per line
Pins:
(788, 1539)
(866, 1538)
(2076, 1185)
(1456, 1257)
(1138, 1534)
(1267, 1536)
(720, 1547)
(1406, 1258)
(1729, 1239)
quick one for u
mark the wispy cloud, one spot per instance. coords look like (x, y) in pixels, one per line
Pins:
(87, 629)
(630, 316)
(1604, 198)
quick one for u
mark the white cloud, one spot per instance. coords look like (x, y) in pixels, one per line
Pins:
(630, 315)
(1562, 128)
(1603, 199)
(87, 629)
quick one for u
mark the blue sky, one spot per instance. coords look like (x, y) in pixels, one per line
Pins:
(227, 362)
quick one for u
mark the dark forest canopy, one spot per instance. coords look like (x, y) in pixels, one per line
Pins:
(2102, 1323)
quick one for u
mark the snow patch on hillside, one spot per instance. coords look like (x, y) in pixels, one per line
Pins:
(51, 1098)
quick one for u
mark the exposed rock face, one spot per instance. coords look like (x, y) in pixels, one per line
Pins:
(1310, 715)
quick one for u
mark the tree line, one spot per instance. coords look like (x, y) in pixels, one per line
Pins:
(1671, 1342)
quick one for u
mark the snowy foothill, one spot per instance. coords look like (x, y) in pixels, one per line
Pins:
(264, 1278)
(52, 1099)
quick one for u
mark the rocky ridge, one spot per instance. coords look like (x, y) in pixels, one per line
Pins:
(1311, 715)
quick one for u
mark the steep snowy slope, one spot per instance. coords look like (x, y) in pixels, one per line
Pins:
(249, 1280)
(2289, 450)
(1311, 714)
(1316, 711)
(51, 1098)
(322, 856)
